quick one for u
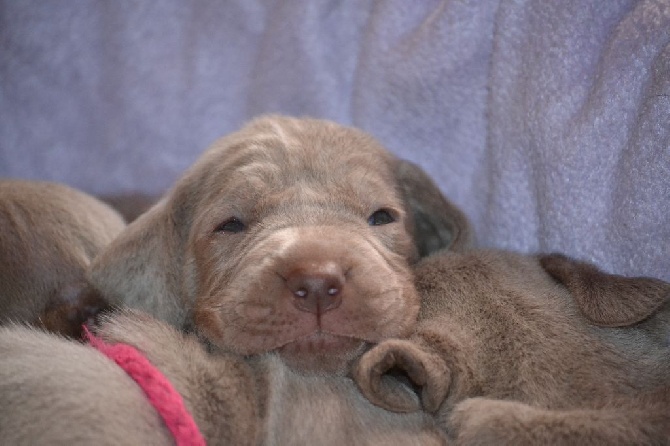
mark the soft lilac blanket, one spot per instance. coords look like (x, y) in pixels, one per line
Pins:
(547, 121)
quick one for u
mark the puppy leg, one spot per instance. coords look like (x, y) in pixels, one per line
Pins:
(480, 421)
(376, 373)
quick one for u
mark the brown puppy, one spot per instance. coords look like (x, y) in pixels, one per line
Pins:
(48, 235)
(291, 235)
(54, 391)
(523, 350)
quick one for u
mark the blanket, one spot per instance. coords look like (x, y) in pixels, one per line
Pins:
(547, 122)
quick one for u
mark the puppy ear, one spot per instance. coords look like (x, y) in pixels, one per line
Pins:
(438, 224)
(141, 267)
(605, 299)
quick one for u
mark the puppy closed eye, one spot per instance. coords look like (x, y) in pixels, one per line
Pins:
(381, 217)
(232, 226)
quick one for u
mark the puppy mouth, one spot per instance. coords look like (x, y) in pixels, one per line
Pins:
(321, 352)
(320, 342)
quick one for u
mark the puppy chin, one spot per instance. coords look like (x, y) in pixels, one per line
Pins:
(322, 353)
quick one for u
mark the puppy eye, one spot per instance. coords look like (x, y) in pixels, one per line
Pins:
(380, 217)
(232, 225)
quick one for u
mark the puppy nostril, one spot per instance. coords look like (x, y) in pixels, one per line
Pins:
(316, 288)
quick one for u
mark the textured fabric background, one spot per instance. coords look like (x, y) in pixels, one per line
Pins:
(548, 122)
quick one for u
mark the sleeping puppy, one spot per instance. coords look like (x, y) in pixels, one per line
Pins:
(54, 391)
(48, 235)
(526, 350)
(292, 236)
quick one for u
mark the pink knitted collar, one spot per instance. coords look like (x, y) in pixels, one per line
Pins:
(160, 393)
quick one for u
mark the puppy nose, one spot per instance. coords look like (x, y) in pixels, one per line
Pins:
(316, 288)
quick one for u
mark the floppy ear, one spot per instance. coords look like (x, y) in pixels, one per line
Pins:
(141, 268)
(605, 299)
(438, 224)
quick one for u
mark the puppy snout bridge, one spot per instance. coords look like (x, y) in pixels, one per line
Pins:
(316, 287)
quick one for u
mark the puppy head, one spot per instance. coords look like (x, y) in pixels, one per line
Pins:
(48, 235)
(607, 300)
(290, 236)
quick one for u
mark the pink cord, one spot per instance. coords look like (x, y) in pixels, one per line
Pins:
(159, 391)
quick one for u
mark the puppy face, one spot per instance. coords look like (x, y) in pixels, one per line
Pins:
(290, 236)
(308, 254)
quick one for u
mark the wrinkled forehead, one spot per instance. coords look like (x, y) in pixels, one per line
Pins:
(306, 147)
(303, 162)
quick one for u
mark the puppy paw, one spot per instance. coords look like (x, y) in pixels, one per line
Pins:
(401, 376)
(483, 421)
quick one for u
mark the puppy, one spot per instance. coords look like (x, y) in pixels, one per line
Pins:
(526, 350)
(292, 236)
(54, 391)
(48, 235)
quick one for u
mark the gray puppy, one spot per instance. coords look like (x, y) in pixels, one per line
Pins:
(58, 392)
(49, 233)
(289, 244)
(526, 350)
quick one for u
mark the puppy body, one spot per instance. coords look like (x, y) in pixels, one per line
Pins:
(329, 409)
(49, 233)
(292, 236)
(54, 391)
(514, 349)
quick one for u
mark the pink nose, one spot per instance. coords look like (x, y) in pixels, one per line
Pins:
(316, 288)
